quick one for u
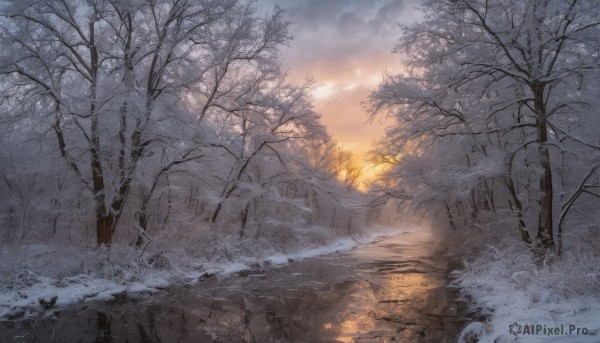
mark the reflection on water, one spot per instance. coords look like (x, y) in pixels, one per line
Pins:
(392, 291)
(103, 325)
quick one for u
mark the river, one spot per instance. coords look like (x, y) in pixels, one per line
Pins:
(389, 291)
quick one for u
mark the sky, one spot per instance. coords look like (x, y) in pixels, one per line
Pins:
(345, 46)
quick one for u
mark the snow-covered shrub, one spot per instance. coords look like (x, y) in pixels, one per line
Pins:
(513, 267)
(22, 266)
(508, 283)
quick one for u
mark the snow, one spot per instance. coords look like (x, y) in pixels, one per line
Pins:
(25, 301)
(121, 277)
(508, 285)
(341, 244)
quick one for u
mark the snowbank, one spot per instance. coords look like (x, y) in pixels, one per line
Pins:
(557, 302)
(38, 279)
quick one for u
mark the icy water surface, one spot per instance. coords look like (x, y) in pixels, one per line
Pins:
(390, 291)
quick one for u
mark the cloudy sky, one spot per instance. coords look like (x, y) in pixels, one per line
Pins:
(345, 45)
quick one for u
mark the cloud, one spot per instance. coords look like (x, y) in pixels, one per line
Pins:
(335, 29)
(345, 45)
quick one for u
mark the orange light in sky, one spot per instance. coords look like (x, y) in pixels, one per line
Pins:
(338, 99)
(345, 46)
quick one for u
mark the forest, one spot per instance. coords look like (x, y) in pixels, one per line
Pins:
(496, 119)
(495, 134)
(131, 121)
(145, 134)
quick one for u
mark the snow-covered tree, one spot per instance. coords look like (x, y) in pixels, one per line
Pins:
(140, 121)
(112, 81)
(487, 100)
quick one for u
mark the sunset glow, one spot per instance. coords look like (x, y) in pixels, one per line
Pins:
(345, 46)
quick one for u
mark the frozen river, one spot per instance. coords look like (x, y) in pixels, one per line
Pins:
(389, 291)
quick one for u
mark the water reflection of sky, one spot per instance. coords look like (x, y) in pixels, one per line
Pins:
(389, 290)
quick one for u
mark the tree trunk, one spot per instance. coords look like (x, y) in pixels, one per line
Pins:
(216, 213)
(244, 219)
(104, 229)
(474, 207)
(143, 225)
(545, 232)
(518, 208)
(450, 218)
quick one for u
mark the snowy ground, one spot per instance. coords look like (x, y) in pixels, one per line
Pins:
(38, 279)
(558, 302)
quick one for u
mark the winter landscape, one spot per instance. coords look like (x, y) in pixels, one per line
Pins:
(300, 171)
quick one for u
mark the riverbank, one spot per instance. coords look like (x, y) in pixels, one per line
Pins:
(390, 291)
(517, 300)
(40, 279)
